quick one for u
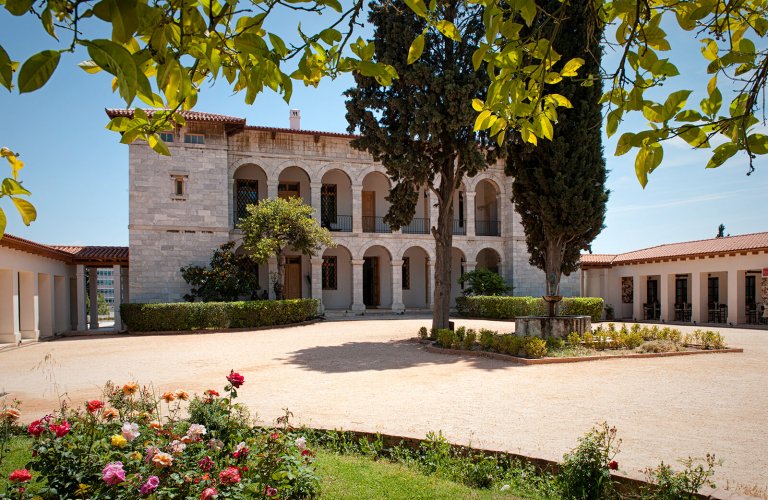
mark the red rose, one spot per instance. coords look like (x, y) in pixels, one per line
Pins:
(614, 465)
(305, 452)
(20, 476)
(274, 436)
(61, 429)
(208, 493)
(270, 491)
(36, 428)
(235, 379)
(94, 405)
(230, 475)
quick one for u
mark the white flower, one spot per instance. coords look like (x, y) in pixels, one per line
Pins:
(196, 431)
(130, 431)
(301, 443)
(177, 447)
(505, 487)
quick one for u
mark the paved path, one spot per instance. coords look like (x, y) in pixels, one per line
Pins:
(367, 375)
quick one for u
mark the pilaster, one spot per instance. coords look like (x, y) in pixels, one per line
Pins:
(81, 314)
(357, 285)
(357, 214)
(469, 206)
(317, 282)
(94, 298)
(397, 286)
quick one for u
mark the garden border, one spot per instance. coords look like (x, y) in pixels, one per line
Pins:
(623, 481)
(546, 361)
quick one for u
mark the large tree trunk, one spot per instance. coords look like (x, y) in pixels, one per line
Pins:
(553, 262)
(443, 234)
(280, 279)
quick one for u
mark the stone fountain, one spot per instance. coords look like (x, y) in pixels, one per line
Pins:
(552, 325)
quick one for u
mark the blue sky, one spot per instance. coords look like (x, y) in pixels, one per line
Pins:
(78, 171)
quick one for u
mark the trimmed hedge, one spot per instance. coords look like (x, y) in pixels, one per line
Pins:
(501, 307)
(201, 315)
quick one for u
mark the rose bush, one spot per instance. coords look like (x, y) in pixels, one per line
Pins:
(133, 444)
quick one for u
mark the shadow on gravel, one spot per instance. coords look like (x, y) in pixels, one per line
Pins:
(380, 356)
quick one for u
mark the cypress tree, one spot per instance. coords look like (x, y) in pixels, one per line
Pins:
(420, 127)
(559, 185)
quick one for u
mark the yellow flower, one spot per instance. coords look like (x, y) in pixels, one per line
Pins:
(130, 388)
(82, 489)
(135, 455)
(182, 394)
(162, 459)
(119, 441)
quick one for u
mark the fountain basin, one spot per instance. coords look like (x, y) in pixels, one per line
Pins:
(552, 326)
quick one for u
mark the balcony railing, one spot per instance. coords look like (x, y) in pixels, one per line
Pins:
(375, 225)
(341, 223)
(488, 228)
(417, 226)
(459, 226)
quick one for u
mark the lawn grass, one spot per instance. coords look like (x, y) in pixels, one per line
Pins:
(16, 457)
(355, 477)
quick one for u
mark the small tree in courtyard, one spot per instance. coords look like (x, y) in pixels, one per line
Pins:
(483, 282)
(228, 278)
(273, 226)
(559, 185)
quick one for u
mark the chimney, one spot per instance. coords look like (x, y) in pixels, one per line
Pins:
(295, 119)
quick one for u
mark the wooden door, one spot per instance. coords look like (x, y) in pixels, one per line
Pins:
(369, 211)
(293, 277)
(371, 286)
(287, 190)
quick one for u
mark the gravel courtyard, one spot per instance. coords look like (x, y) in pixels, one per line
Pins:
(369, 375)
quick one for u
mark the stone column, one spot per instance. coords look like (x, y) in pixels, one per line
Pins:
(272, 188)
(9, 306)
(80, 273)
(434, 211)
(46, 305)
(317, 282)
(357, 286)
(397, 286)
(357, 211)
(93, 295)
(125, 295)
(430, 284)
(61, 291)
(29, 306)
(667, 297)
(315, 190)
(470, 266)
(637, 300)
(271, 272)
(469, 206)
(734, 286)
(699, 312)
(118, 283)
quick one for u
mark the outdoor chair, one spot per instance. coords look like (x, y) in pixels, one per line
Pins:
(679, 312)
(751, 311)
(722, 313)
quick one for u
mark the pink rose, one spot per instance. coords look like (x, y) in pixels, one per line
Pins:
(230, 475)
(36, 428)
(94, 405)
(235, 379)
(205, 464)
(151, 485)
(271, 492)
(20, 476)
(61, 429)
(113, 473)
(208, 493)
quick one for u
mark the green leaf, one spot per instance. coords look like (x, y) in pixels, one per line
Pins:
(37, 70)
(89, 67)
(481, 120)
(758, 144)
(694, 136)
(710, 106)
(47, 19)
(418, 7)
(688, 115)
(547, 130)
(3, 222)
(477, 105)
(572, 66)
(721, 154)
(18, 7)
(448, 29)
(330, 36)
(158, 145)
(625, 143)
(528, 11)
(613, 122)
(478, 55)
(117, 61)
(416, 49)
(6, 69)
(710, 49)
(26, 210)
(648, 158)
(11, 187)
(674, 103)
(560, 100)
(278, 45)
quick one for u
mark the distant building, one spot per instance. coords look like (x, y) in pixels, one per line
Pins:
(105, 285)
(184, 206)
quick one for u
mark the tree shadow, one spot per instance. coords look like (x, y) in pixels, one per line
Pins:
(381, 356)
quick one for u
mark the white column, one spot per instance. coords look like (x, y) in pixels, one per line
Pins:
(272, 188)
(46, 305)
(357, 285)
(469, 206)
(272, 272)
(80, 273)
(734, 287)
(118, 282)
(470, 266)
(430, 283)
(29, 306)
(93, 294)
(317, 282)
(9, 306)
(434, 211)
(315, 189)
(397, 286)
(699, 312)
(61, 291)
(667, 297)
(357, 212)
(637, 300)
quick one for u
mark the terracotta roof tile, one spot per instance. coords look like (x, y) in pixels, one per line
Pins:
(68, 253)
(24, 245)
(597, 259)
(195, 116)
(94, 252)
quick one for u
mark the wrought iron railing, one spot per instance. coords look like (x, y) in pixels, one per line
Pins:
(487, 228)
(417, 226)
(340, 223)
(459, 226)
(373, 224)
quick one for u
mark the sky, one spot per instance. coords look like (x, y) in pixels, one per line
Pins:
(77, 171)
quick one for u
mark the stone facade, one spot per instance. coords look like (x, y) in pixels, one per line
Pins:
(172, 227)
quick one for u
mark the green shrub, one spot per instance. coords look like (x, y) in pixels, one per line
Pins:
(469, 339)
(712, 340)
(582, 306)
(659, 346)
(573, 339)
(534, 347)
(589, 339)
(685, 484)
(633, 340)
(508, 344)
(601, 342)
(460, 332)
(586, 470)
(511, 307)
(201, 315)
(445, 338)
(423, 333)
(483, 282)
(554, 343)
(486, 338)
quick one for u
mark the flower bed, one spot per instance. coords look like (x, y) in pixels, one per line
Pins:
(201, 315)
(501, 307)
(608, 342)
(134, 444)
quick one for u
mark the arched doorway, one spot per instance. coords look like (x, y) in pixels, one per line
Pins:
(415, 278)
(458, 266)
(377, 277)
(336, 201)
(293, 182)
(337, 278)
(489, 259)
(376, 187)
(250, 186)
(486, 208)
